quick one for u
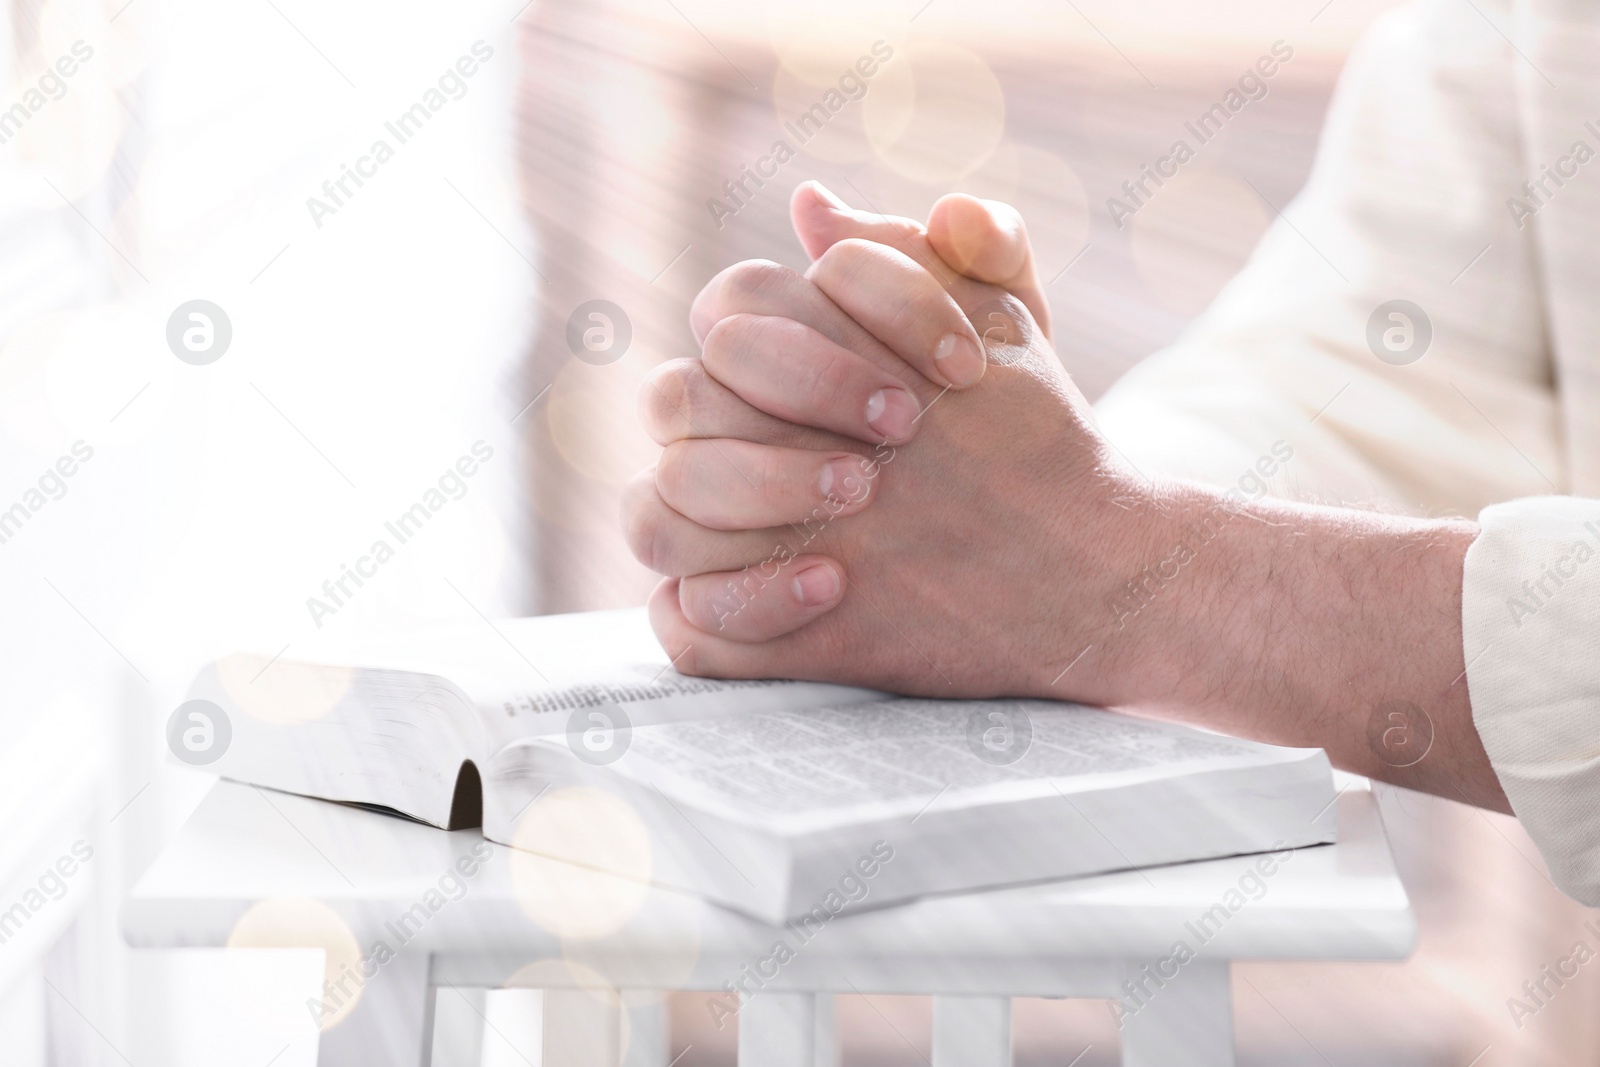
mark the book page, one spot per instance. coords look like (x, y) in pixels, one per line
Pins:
(908, 751)
(625, 683)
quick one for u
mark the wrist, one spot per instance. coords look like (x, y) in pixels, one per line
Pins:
(1168, 613)
(1299, 625)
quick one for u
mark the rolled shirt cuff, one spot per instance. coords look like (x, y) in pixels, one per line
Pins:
(1530, 627)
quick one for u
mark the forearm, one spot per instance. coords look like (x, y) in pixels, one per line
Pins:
(1324, 627)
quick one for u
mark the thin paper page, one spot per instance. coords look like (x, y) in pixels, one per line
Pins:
(782, 762)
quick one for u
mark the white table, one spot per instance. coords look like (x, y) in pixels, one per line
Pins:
(1081, 938)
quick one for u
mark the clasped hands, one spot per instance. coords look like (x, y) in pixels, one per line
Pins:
(878, 472)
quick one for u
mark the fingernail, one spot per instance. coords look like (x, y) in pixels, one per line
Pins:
(826, 196)
(817, 584)
(958, 359)
(891, 412)
(843, 478)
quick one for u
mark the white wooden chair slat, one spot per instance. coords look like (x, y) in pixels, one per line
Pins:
(778, 1030)
(391, 1023)
(581, 1029)
(971, 1031)
(460, 1018)
(1188, 1020)
(646, 1039)
(827, 1035)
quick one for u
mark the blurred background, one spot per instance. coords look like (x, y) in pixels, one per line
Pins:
(379, 328)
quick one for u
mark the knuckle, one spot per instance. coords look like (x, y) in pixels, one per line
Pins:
(732, 603)
(772, 473)
(667, 399)
(827, 378)
(855, 247)
(914, 312)
(843, 258)
(729, 338)
(750, 283)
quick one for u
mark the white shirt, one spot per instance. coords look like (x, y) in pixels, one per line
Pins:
(1444, 111)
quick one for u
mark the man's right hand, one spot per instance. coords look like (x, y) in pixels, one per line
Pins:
(820, 397)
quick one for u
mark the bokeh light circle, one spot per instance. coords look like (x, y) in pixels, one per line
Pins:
(935, 111)
(582, 862)
(296, 922)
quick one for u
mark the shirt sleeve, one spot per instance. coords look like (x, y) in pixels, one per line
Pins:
(1530, 621)
(1421, 142)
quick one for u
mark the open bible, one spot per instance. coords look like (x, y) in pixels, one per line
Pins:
(772, 797)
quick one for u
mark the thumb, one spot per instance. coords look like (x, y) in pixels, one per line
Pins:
(821, 220)
(988, 242)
